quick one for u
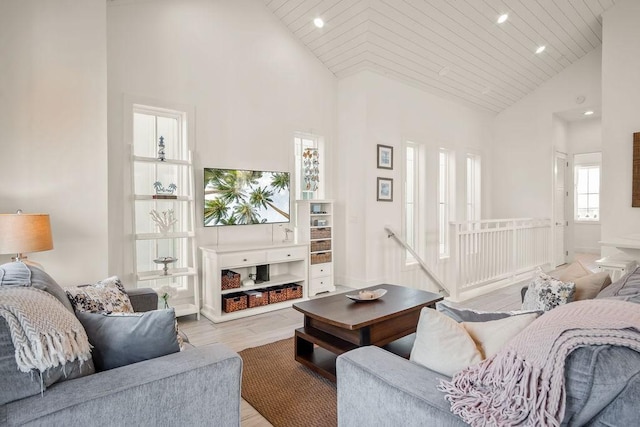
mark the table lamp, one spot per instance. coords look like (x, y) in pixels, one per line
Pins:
(21, 233)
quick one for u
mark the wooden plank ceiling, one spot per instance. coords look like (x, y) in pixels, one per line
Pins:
(453, 48)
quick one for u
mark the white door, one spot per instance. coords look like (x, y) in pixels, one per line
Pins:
(559, 217)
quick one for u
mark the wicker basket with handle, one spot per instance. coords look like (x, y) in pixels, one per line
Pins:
(234, 302)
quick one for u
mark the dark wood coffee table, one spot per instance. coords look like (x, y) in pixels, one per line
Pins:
(335, 324)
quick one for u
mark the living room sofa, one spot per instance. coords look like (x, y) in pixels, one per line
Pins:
(199, 386)
(378, 388)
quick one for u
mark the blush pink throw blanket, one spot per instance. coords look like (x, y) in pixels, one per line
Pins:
(524, 383)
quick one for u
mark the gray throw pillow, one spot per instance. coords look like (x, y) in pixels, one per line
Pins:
(21, 274)
(119, 339)
(468, 315)
(15, 384)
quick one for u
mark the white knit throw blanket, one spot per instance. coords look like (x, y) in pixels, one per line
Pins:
(44, 333)
(524, 383)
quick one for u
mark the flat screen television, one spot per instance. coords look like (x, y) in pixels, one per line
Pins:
(237, 197)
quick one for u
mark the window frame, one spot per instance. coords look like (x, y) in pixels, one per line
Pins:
(318, 143)
(473, 193)
(411, 232)
(444, 202)
(576, 169)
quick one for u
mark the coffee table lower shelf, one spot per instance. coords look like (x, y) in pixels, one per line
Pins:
(318, 350)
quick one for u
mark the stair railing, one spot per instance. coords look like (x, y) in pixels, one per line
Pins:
(441, 286)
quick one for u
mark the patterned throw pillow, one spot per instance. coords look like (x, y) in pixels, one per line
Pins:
(546, 293)
(106, 296)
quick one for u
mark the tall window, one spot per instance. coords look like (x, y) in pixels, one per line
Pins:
(411, 169)
(309, 172)
(445, 176)
(587, 186)
(150, 124)
(473, 190)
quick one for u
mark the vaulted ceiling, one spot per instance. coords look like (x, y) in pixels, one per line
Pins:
(454, 48)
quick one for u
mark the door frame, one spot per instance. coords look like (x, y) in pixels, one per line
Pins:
(565, 157)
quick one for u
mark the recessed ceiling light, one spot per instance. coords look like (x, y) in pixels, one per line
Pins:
(588, 113)
(502, 18)
(540, 49)
(318, 22)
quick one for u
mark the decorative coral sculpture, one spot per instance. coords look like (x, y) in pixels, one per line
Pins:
(164, 220)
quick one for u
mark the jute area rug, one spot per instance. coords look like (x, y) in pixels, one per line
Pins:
(286, 393)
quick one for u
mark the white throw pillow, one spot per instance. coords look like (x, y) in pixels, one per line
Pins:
(446, 346)
(491, 336)
(442, 344)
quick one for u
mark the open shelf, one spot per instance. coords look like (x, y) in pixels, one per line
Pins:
(185, 309)
(281, 279)
(159, 274)
(158, 162)
(224, 317)
(150, 197)
(172, 235)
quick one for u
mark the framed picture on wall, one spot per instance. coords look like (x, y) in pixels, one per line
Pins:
(385, 190)
(385, 157)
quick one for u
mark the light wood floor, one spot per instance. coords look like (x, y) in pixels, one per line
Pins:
(262, 329)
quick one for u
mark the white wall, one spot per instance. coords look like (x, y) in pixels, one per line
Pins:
(620, 118)
(250, 83)
(525, 140)
(374, 109)
(53, 121)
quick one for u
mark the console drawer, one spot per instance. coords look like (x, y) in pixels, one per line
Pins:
(320, 284)
(243, 259)
(321, 270)
(286, 254)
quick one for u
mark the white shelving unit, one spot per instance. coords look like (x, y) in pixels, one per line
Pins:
(287, 264)
(315, 227)
(151, 243)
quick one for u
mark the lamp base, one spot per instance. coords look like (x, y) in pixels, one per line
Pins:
(19, 258)
(23, 259)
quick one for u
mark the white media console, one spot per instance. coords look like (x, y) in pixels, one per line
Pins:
(287, 264)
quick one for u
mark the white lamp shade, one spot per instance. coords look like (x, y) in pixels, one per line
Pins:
(25, 233)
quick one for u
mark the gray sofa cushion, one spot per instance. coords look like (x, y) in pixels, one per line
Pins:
(379, 389)
(200, 387)
(124, 338)
(16, 384)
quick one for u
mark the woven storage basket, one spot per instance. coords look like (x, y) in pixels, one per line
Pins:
(230, 280)
(321, 245)
(294, 291)
(234, 302)
(321, 258)
(257, 298)
(321, 233)
(277, 294)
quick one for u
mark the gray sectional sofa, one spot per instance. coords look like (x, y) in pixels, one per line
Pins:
(199, 386)
(377, 388)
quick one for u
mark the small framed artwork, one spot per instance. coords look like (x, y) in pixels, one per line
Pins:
(385, 157)
(385, 190)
